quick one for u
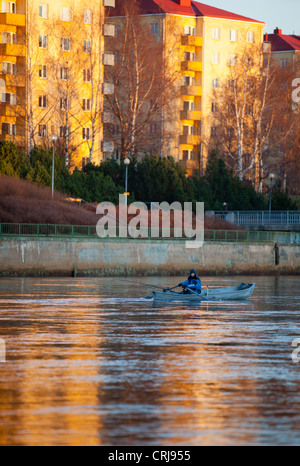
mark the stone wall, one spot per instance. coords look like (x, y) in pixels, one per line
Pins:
(129, 257)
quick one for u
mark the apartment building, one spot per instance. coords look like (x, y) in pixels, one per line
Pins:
(207, 40)
(52, 66)
(285, 49)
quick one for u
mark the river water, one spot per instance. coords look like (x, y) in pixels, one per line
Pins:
(91, 362)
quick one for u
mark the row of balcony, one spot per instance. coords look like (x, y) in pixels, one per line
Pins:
(12, 50)
(12, 19)
(189, 65)
(192, 41)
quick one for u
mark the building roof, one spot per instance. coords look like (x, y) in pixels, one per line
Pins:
(282, 42)
(185, 8)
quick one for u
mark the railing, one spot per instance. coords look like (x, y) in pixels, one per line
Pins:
(261, 217)
(21, 230)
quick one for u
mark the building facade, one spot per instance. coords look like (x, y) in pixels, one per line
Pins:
(52, 66)
(204, 40)
(285, 49)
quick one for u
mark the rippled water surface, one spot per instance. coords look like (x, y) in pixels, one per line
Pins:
(90, 362)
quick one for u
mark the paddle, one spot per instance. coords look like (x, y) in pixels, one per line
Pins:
(170, 289)
(200, 296)
(144, 284)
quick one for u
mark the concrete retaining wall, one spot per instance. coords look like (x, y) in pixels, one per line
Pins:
(117, 257)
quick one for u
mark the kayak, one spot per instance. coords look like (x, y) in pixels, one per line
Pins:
(233, 293)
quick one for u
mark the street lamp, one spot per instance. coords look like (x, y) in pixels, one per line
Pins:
(53, 139)
(271, 176)
(127, 163)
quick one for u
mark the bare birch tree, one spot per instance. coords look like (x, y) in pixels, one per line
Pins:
(241, 115)
(144, 84)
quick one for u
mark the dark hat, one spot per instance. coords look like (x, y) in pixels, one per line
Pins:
(193, 271)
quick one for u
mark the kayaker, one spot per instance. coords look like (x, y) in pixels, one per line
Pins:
(192, 283)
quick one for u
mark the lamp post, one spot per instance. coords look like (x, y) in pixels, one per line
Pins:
(271, 176)
(127, 163)
(53, 139)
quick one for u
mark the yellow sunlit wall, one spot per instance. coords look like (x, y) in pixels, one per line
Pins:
(51, 68)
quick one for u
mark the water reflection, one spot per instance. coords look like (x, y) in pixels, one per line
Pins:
(89, 362)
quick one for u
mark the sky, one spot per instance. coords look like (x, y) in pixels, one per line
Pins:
(284, 14)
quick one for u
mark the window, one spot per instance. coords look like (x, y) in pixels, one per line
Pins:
(9, 98)
(249, 109)
(153, 128)
(43, 101)
(85, 161)
(43, 42)
(87, 46)
(65, 44)
(66, 14)
(87, 16)
(42, 131)
(231, 84)
(188, 105)
(9, 129)
(63, 103)
(232, 60)
(154, 29)
(43, 11)
(9, 38)
(215, 83)
(86, 105)
(63, 132)
(115, 130)
(189, 31)
(43, 71)
(233, 35)
(187, 155)
(189, 56)
(284, 63)
(213, 131)
(215, 58)
(214, 107)
(250, 37)
(86, 134)
(9, 68)
(189, 81)
(188, 130)
(216, 33)
(9, 7)
(87, 76)
(64, 73)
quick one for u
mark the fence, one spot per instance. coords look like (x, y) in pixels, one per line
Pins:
(21, 230)
(261, 217)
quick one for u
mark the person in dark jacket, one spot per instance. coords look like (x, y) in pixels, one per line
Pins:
(192, 283)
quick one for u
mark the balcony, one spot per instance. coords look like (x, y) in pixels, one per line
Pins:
(107, 117)
(191, 115)
(12, 80)
(190, 140)
(109, 30)
(109, 3)
(191, 90)
(188, 166)
(108, 59)
(18, 140)
(191, 66)
(107, 146)
(108, 89)
(192, 41)
(12, 50)
(9, 110)
(12, 19)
